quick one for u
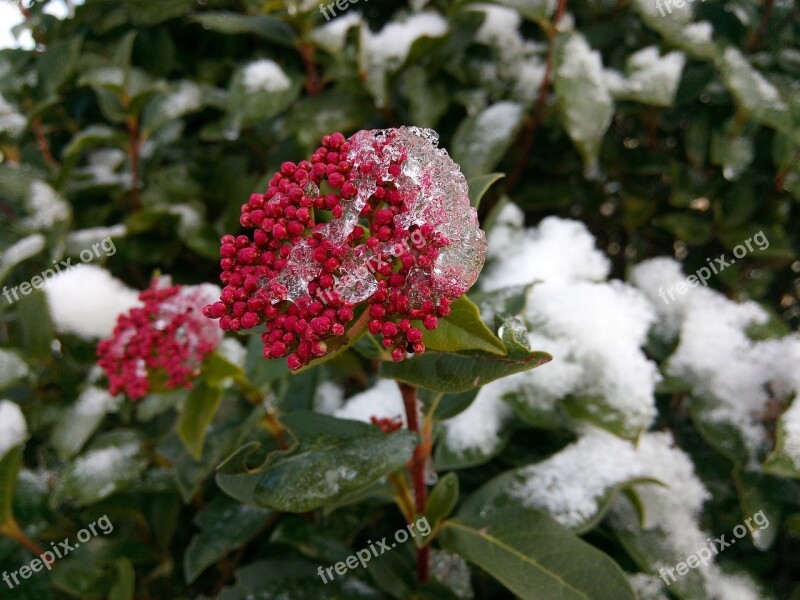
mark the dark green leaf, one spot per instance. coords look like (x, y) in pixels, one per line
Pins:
(225, 525)
(269, 28)
(196, 416)
(332, 458)
(535, 557)
(463, 330)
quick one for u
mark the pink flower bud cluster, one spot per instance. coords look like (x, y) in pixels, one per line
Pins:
(166, 339)
(377, 228)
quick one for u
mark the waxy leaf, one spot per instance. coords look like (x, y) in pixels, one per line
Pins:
(535, 557)
(332, 458)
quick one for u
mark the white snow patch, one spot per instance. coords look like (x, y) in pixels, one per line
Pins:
(265, 75)
(86, 300)
(557, 251)
(11, 121)
(672, 510)
(328, 398)
(103, 463)
(647, 587)
(332, 35)
(12, 367)
(479, 426)
(571, 484)
(85, 238)
(45, 207)
(652, 78)
(383, 400)
(790, 424)
(13, 427)
(233, 351)
(94, 401)
(185, 98)
(22, 250)
(387, 50)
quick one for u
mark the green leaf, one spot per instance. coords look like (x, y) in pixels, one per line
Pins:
(782, 462)
(535, 557)
(427, 97)
(75, 428)
(57, 63)
(478, 186)
(535, 10)
(269, 28)
(92, 136)
(690, 228)
(500, 492)
(582, 96)
(462, 330)
(124, 586)
(37, 327)
(225, 525)
(196, 416)
(461, 371)
(12, 368)
(759, 497)
(481, 141)
(112, 466)
(248, 106)
(152, 12)
(9, 472)
(180, 99)
(332, 458)
(18, 253)
(295, 579)
(446, 406)
(755, 94)
(441, 502)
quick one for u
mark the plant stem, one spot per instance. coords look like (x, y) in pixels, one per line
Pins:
(417, 466)
(13, 530)
(536, 117)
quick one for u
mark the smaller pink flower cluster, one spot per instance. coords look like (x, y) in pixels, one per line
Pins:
(166, 337)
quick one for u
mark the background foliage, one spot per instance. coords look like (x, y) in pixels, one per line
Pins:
(137, 113)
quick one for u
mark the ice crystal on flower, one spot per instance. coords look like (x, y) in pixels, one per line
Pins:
(402, 237)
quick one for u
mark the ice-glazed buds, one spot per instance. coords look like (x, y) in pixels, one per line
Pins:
(165, 339)
(375, 230)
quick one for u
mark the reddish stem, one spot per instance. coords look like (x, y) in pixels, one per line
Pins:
(417, 466)
(536, 117)
(313, 85)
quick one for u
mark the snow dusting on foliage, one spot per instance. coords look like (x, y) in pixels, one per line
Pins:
(571, 483)
(45, 207)
(331, 36)
(385, 51)
(265, 76)
(11, 122)
(90, 316)
(478, 427)
(715, 354)
(383, 400)
(13, 428)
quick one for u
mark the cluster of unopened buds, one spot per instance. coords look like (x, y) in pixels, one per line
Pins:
(373, 231)
(165, 339)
